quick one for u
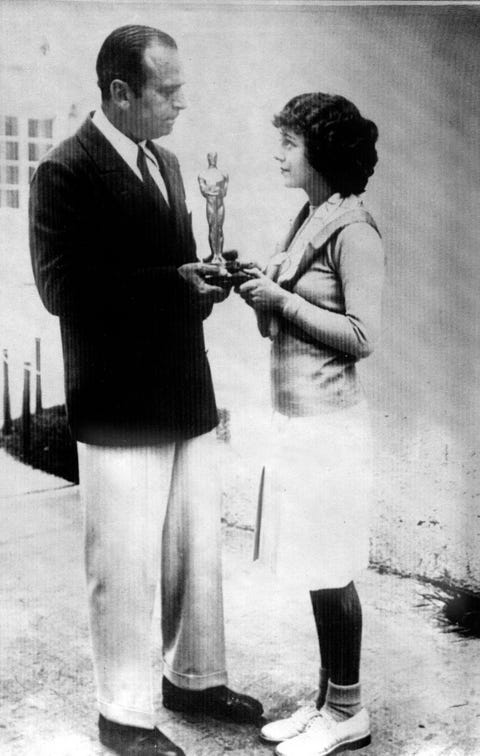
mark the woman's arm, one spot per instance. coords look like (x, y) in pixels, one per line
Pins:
(359, 258)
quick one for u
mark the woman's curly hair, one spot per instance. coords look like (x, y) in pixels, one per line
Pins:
(339, 142)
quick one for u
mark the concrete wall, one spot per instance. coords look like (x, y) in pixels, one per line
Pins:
(415, 71)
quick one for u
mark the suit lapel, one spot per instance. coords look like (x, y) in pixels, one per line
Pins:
(118, 177)
(167, 175)
(176, 196)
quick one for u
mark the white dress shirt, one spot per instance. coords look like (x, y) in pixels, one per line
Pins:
(128, 150)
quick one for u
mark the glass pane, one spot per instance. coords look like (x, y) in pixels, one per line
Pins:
(33, 127)
(11, 174)
(12, 199)
(11, 126)
(11, 150)
(31, 171)
(8, 150)
(8, 125)
(47, 128)
(42, 128)
(37, 150)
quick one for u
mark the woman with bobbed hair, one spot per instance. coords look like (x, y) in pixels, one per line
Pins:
(319, 301)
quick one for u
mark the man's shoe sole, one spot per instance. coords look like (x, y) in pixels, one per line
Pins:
(186, 709)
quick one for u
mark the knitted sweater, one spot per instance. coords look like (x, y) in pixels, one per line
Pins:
(331, 319)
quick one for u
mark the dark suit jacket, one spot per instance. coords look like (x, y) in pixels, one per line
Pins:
(105, 254)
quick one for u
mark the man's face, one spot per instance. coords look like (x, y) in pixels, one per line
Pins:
(153, 113)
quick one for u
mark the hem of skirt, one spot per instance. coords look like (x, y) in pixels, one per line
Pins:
(279, 577)
(296, 408)
(194, 682)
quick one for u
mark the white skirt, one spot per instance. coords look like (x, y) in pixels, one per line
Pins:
(314, 525)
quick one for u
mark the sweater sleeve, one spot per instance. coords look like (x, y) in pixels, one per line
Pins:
(359, 260)
(66, 282)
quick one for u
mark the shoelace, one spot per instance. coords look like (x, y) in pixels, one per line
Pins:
(323, 721)
(305, 714)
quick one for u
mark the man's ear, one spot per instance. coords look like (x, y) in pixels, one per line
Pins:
(120, 93)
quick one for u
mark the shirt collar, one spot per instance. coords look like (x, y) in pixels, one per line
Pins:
(320, 216)
(149, 153)
(126, 147)
(332, 205)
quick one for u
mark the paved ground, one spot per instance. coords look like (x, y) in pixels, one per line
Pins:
(421, 684)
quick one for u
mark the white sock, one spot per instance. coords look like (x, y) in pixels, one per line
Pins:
(343, 701)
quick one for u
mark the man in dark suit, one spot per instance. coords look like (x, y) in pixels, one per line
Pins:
(114, 257)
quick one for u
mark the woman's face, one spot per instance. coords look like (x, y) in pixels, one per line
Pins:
(294, 166)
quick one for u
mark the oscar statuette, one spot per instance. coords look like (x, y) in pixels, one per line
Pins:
(213, 185)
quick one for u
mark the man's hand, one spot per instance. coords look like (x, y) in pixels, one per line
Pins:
(194, 274)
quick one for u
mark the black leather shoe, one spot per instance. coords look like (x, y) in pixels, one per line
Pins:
(219, 702)
(135, 741)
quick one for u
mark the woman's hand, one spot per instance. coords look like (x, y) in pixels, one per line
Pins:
(262, 293)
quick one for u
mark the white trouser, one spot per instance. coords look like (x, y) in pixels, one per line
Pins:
(152, 514)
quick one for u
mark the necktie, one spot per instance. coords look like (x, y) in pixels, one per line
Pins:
(143, 168)
(148, 180)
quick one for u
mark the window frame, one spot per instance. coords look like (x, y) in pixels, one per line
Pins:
(33, 138)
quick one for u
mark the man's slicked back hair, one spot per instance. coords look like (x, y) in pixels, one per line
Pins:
(121, 56)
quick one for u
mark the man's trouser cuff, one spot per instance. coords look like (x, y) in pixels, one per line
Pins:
(194, 682)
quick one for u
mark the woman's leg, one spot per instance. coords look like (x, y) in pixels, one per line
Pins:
(322, 686)
(338, 617)
(341, 723)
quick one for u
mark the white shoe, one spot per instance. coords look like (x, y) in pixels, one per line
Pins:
(283, 729)
(324, 736)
